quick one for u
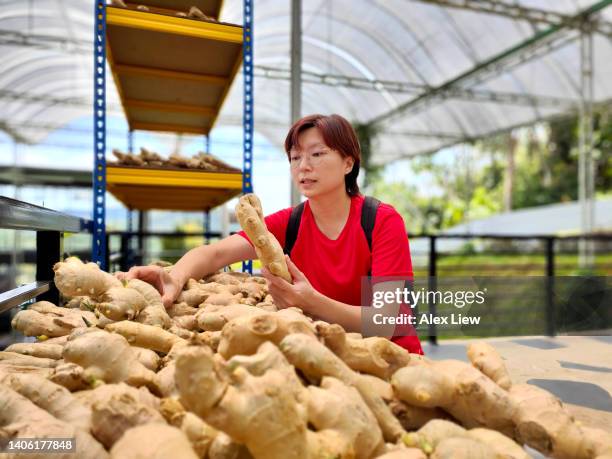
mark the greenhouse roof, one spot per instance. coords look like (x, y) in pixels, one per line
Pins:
(424, 74)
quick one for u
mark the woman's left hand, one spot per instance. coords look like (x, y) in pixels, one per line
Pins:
(299, 294)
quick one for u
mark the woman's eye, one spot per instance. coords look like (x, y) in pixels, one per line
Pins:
(317, 153)
(295, 158)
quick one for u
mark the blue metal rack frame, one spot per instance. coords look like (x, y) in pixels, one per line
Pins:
(98, 253)
(247, 117)
(99, 173)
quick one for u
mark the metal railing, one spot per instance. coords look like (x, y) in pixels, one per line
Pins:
(548, 270)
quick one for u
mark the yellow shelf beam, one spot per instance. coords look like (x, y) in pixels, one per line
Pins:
(172, 25)
(173, 178)
(144, 189)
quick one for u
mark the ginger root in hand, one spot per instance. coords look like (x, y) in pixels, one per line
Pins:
(269, 251)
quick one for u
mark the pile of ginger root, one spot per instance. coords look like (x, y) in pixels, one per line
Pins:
(224, 374)
(146, 158)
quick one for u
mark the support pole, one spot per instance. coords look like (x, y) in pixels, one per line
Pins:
(433, 286)
(206, 226)
(130, 230)
(225, 222)
(551, 313)
(143, 227)
(98, 254)
(49, 250)
(247, 120)
(586, 166)
(296, 76)
(130, 141)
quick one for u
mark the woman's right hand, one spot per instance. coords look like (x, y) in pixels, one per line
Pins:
(167, 286)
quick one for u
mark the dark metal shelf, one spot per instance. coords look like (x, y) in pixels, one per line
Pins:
(24, 216)
(20, 295)
(50, 227)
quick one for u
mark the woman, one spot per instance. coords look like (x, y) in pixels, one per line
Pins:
(331, 255)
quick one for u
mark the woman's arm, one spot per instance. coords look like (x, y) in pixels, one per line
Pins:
(195, 264)
(207, 259)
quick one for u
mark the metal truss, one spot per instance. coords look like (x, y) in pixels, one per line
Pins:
(338, 80)
(79, 102)
(519, 12)
(455, 139)
(541, 43)
(398, 87)
(475, 95)
(69, 45)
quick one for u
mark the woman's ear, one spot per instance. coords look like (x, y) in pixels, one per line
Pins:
(350, 162)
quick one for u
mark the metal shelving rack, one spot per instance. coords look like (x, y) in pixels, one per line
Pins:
(158, 94)
(50, 227)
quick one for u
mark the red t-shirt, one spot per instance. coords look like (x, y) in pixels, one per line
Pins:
(335, 267)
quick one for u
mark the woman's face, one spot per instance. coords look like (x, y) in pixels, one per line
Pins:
(316, 169)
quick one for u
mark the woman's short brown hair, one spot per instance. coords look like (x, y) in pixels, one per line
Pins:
(338, 135)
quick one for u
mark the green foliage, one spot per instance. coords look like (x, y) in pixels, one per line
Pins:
(546, 161)
(365, 135)
(471, 184)
(178, 246)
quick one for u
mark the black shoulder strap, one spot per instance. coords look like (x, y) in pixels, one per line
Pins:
(368, 217)
(292, 228)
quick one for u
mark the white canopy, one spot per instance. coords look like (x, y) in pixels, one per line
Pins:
(435, 72)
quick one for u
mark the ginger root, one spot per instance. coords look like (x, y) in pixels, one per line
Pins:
(53, 398)
(108, 357)
(42, 350)
(200, 434)
(147, 336)
(458, 388)
(484, 357)
(75, 278)
(20, 418)
(244, 334)
(376, 356)
(136, 300)
(259, 411)
(336, 406)
(44, 318)
(269, 251)
(315, 361)
(543, 423)
(113, 413)
(153, 441)
(213, 317)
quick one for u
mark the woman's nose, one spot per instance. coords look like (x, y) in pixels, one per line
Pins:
(305, 162)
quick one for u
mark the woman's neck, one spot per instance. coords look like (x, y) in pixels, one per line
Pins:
(331, 208)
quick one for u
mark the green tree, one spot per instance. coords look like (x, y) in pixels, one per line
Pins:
(365, 135)
(476, 182)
